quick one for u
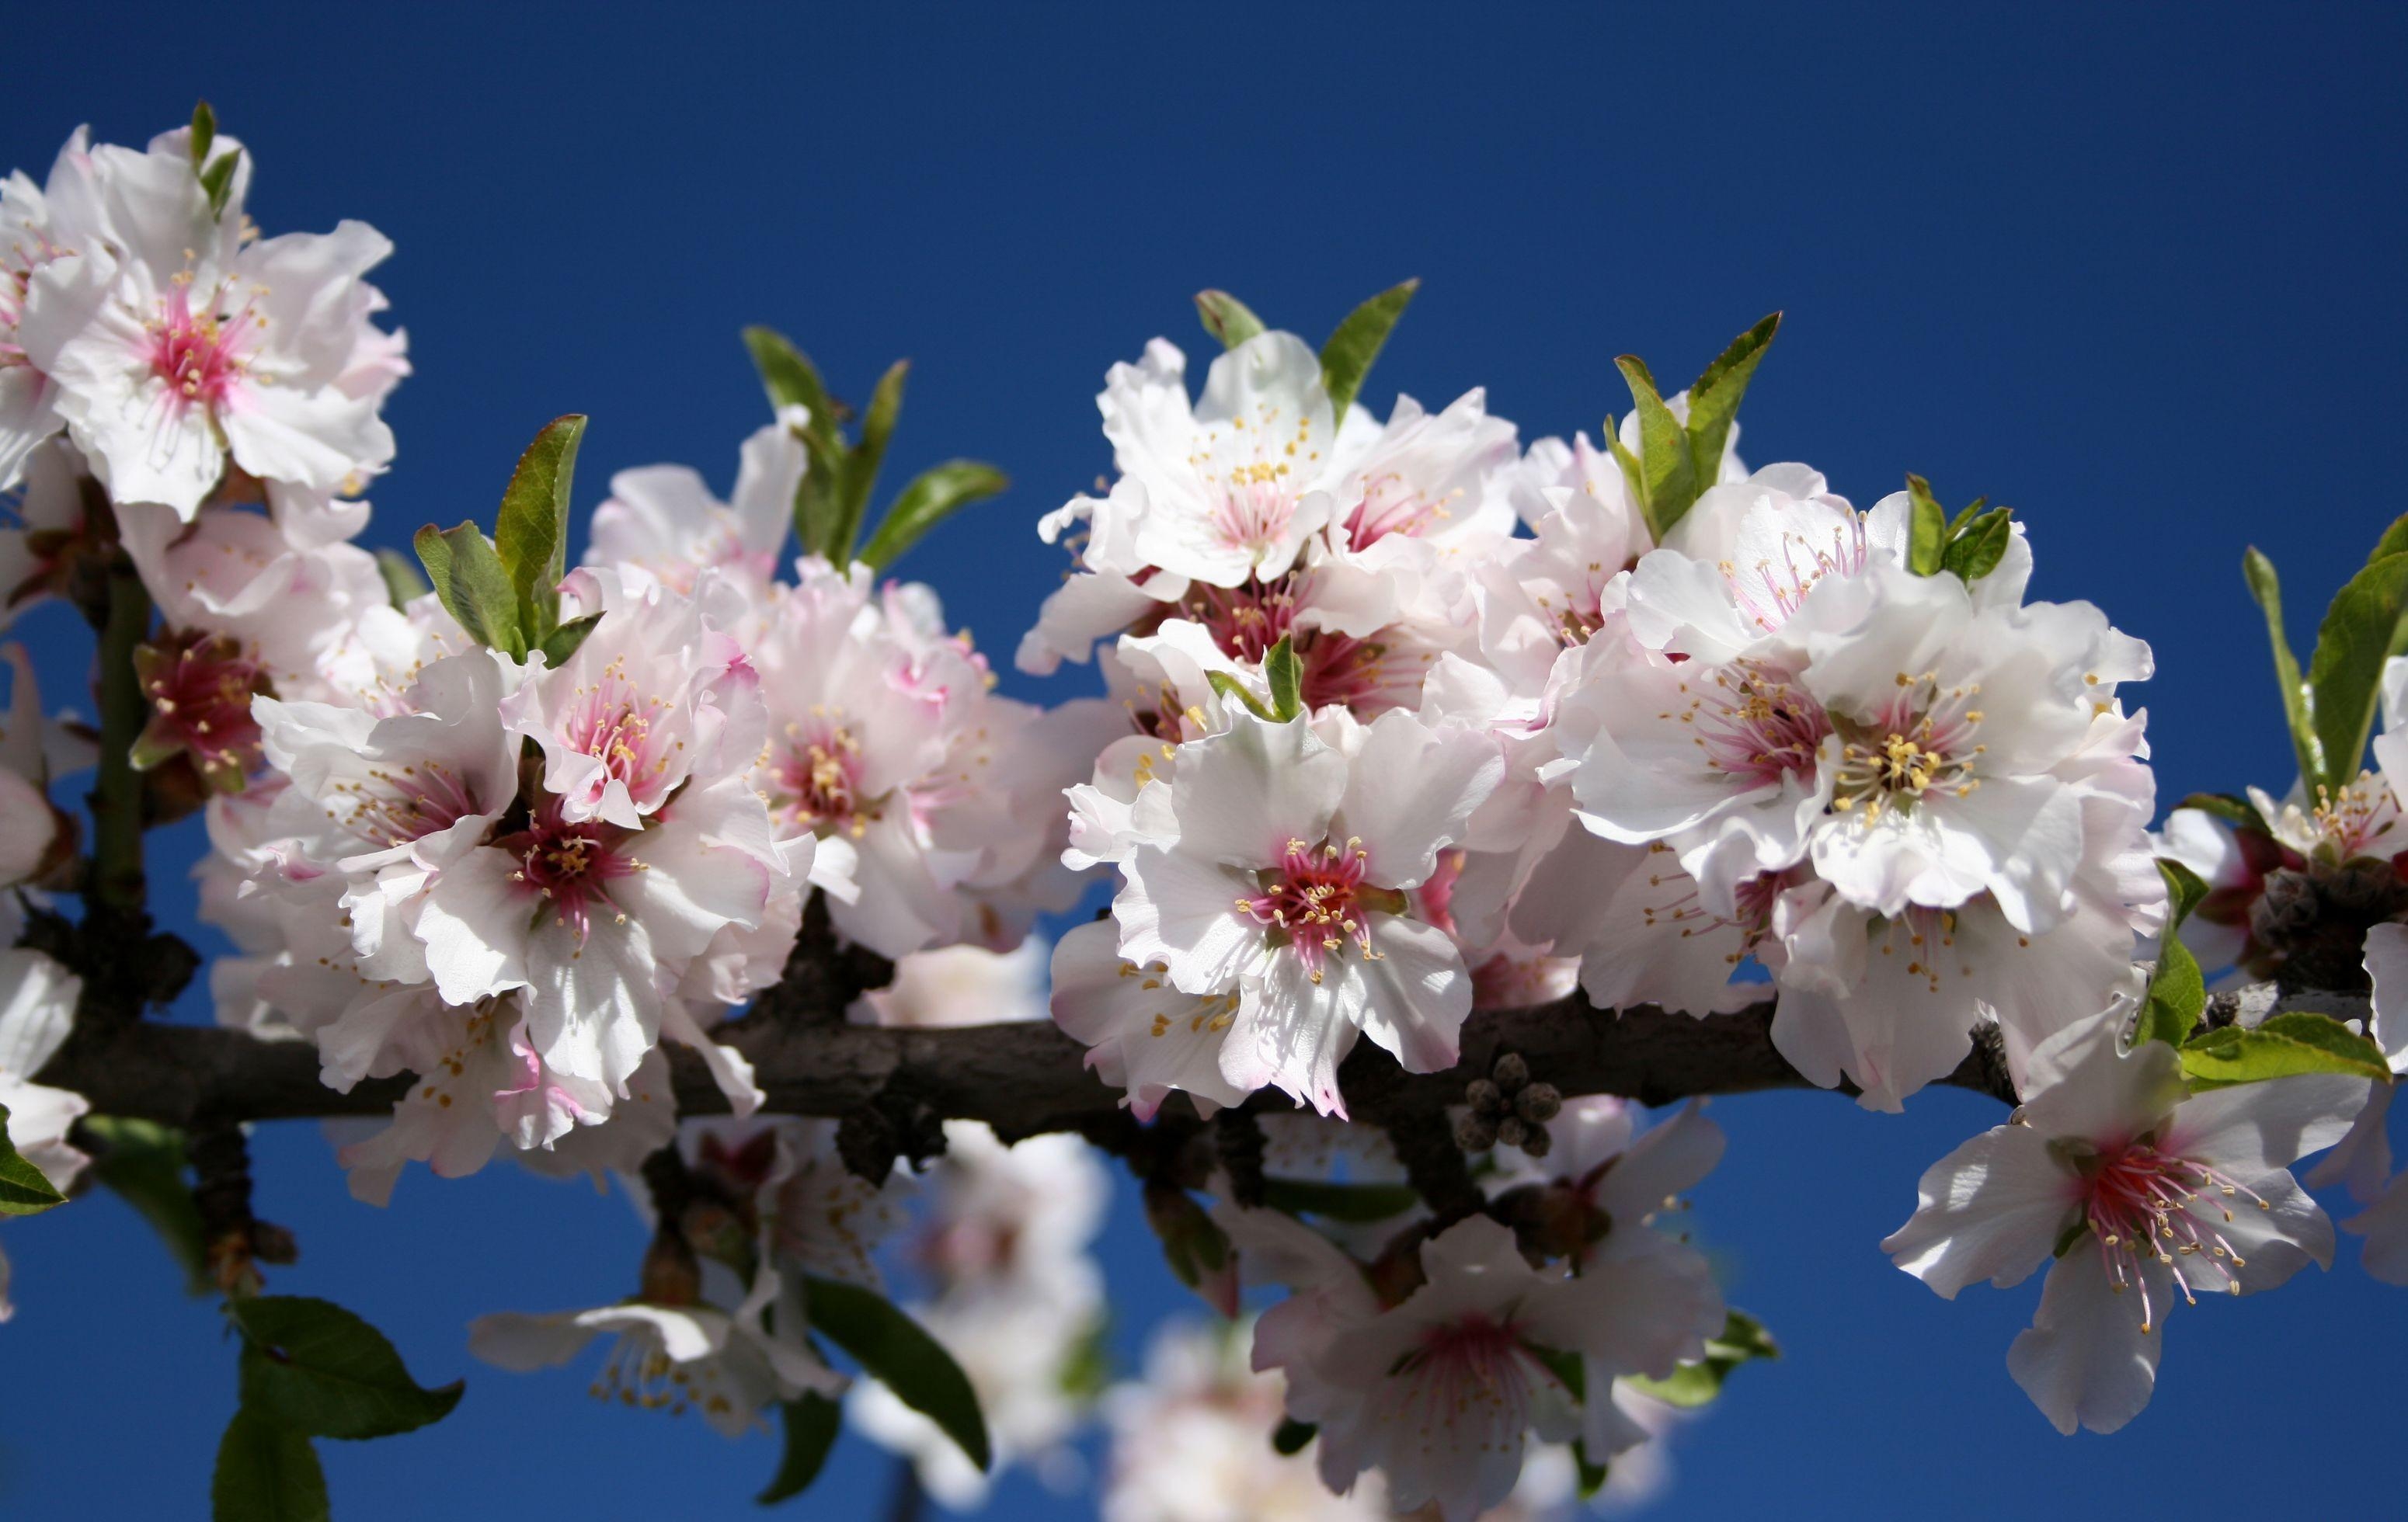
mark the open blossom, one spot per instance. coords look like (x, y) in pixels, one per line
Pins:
(1440, 1391)
(174, 341)
(2140, 1192)
(662, 520)
(1288, 888)
(1019, 1301)
(37, 1004)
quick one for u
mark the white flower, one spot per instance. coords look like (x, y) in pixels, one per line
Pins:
(673, 1358)
(174, 345)
(2140, 1192)
(1007, 1241)
(662, 520)
(1288, 886)
(961, 985)
(1438, 1392)
(38, 225)
(37, 1004)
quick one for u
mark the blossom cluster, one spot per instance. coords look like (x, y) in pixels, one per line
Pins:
(1405, 718)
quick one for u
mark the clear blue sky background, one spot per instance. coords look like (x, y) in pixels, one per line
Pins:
(2139, 277)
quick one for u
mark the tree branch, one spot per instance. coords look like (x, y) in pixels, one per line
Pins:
(1021, 1078)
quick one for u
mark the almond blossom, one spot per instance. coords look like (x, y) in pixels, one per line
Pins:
(2140, 1192)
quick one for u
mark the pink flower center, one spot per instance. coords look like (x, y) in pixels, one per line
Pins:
(1390, 505)
(571, 866)
(2143, 1204)
(1675, 903)
(200, 687)
(615, 723)
(1923, 739)
(1246, 622)
(1314, 898)
(816, 781)
(200, 356)
(1770, 592)
(1751, 723)
(1475, 1371)
(393, 806)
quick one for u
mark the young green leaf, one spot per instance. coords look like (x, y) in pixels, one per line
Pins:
(866, 458)
(1353, 1204)
(1976, 549)
(893, 1349)
(1592, 1474)
(934, 495)
(2232, 809)
(2366, 626)
(1713, 401)
(24, 1190)
(1292, 1437)
(403, 585)
(2296, 1042)
(316, 1368)
(1284, 673)
(2394, 540)
(531, 529)
(2263, 585)
(811, 1425)
(2177, 992)
(217, 181)
(1926, 529)
(862, 465)
(469, 579)
(1346, 359)
(1233, 691)
(1743, 1339)
(143, 1163)
(205, 134)
(791, 380)
(1668, 480)
(1227, 317)
(563, 641)
(267, 1473)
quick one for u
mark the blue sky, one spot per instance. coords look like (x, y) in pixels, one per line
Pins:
(2133, 274)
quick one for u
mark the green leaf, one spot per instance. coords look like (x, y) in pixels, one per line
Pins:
(531, 529)
(1227, 317)
(1667, 478)
(1235, 691)
(2259, 572)
(205, 134)
(2232, 809)
(898, 1353)
(403, 585)
(217, 181)
(1926, 531)
(1353, 1204)
(143, 1161)
(1976, 549)
(789, 378)
(267, 1473)
(475, 589)
(934, 495)
(1292, 1437)
(2298, 1042)
(862, 465)
(1632, 476)
(1346, 359)
(2177, 992)
(563, 641)
(24, 1190)
(2366, 626)
(2394, 540)
(1713, 401)
(1592, 1474)
(1284, 675)
(1742, 1340)
(317, 1368)
(812, 1422)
